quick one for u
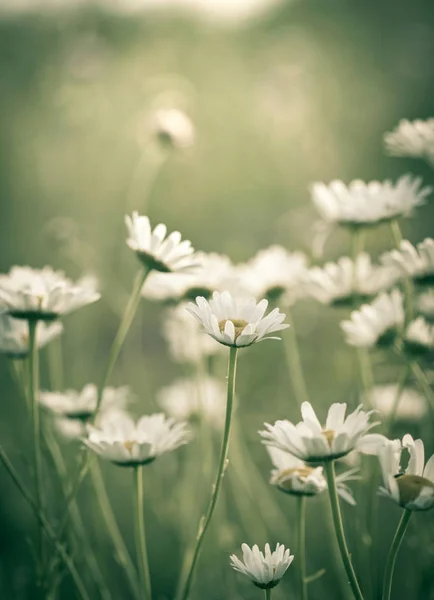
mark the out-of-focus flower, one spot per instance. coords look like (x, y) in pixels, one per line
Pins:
(81, 405)
(14, 336)
(416, 262)
(419, 337)
(293, 476)
(265, 569)
(411, 407)
(413, 487)
(364, 204)
(185, 338)
(425, 304)
(375, 323)
(345, 280)
(312, 443)
(275, 274)
(192, 398)
(128, 444)
(412, 138)
(43, 294)
(155, 250)
(75, 429)
(173, 128)
(214, 272)
(234, 321)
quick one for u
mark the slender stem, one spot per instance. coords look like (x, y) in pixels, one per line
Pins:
(34, 404)
(301, 547)
(267, 594)
(391, 559)
(66, 559)
(142, 554)
(423, 383)
(408, 284)
(121, 334)
(294, 362)
(329, 468)
(206, 518)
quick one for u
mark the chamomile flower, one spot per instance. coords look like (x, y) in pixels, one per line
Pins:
(375, 323)
(14, 336)
(311, 442)
(81, 405)
(411, 406)
(413, 261)
(155, 250)
(236, 322)
(412, 138)
(413, 487)
(128, 444)
(340, 282)
(425, 304)
(43, 294)
(364, 204)
(192, 398)
(173, 128)
(264, 569)
(419, 337)
(274, 273)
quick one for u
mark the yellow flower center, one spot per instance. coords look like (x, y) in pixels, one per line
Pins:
(128, 445)
(411, 486)
(285, 477)
(239, 325)
(329, 435)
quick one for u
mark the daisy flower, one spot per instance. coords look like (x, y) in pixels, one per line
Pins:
(14, 336)
(425, 304)
(312, 443)
(81, 405)
(173, 128)
(413, 261)
(411, 406)
(340, 282)
(264, 569)
(155, 250)
(413, 487)
(43, 294)
(419, 336)
(364, 204)
(412, 138)
(375, 323)
(235, 321)
(129, 444)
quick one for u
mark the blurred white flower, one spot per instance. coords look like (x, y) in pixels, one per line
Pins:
(312, 443)
(155, 250)
(75, 429)
(342, 281)
(266, 569)
(274, 273)
(375, 323)
(416, 262)
(234, 321)
(14, 336)
(293, 476)
(413, 487)
(172, 127)
(185, 338)
(412, 138)
(419, 336)
(81, 405)
(425, 304)
(127, 443)
(43, 294)
(366, 204)
(200, 397)
(411, 407)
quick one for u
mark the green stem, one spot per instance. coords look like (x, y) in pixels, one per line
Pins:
(329, 469)
(423, 383)
(301, 546)
(391, 559)
(66, 559)
(33, 382)
(268, 594)
(294, 362)
(408, 284)
(121, 334)
(142, 554)
(206, 519)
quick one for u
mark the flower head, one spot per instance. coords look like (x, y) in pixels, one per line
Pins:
(340, 282)
(375, 323)
(412, 138)
(155, 250)
(235, 321)
(127, 443)
(14, 336)
(173, 128)
(425, 304)
(311, 442)
(43, 294)
(264, 569)
(413, 487)
(419, 337)
(416, 262)
(411, 405)
(81, 405)
(363, 204)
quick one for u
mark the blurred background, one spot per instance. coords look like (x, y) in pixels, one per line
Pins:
(281, 94)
